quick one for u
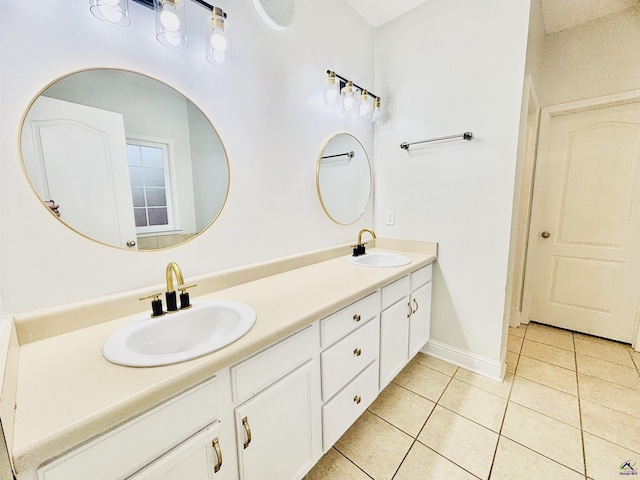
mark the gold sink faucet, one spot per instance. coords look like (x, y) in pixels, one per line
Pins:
(172, 303)
(359, 249)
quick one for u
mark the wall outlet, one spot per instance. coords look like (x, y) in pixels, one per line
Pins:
(390, 218)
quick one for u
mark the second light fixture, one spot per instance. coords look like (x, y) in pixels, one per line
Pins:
(345, 95)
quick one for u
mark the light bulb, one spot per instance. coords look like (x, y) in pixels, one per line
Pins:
(111, 15)
(113, 12)
(332, 90)
(332, 96)
(169, 19)
(218, 41)
(376, 114)
(366, 105)
(348, 98)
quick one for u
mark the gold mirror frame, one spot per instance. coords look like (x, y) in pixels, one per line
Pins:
(323, 202)
(147, 77)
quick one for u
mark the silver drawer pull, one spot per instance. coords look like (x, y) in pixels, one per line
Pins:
(357, 352)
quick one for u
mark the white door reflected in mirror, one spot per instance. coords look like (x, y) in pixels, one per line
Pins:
(343, 179)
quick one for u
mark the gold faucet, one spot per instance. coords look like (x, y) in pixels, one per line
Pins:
(173, 268)
(365, 230)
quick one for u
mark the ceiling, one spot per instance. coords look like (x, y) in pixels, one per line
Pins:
(558, 14)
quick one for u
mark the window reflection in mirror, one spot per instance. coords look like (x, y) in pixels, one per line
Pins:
(343, 178)
(129, 161)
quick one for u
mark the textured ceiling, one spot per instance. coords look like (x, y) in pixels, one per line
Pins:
(558, 14)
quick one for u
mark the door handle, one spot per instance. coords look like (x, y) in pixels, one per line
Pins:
(545, 234)
(247, 428)
(216, 446)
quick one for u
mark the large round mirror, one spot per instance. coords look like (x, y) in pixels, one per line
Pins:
(124, 159)
(343, 178)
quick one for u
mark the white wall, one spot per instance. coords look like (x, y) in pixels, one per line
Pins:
(445, 68)
(266, 107)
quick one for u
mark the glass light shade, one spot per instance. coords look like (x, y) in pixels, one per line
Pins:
(113, 12)
(376, 114)
(171, 23)
(218, 39)
(349, 99)
(365, 108)
(332, 91)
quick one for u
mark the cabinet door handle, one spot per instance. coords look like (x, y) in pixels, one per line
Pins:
(216, 447)
(357, 352)
(356, 317)
(410, 310)
(247, 428)
(415, 302)
(357, 399)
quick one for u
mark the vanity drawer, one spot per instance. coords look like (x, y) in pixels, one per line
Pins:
(128, 448)
(421, 277)
(261, 370)
(395, 291)
(343, 409)
(344, 360)
(349, 318)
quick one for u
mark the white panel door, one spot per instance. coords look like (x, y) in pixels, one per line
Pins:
(585, 238)
(90, 180)
(394, 340)
(420, 320)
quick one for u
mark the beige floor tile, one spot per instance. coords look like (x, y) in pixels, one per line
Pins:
(547, 374)
(375, 446)
(515, 462)
(435, 364)
(546, 400)
(502, 389)
(465, 443)
(514, 344)
(402, 408)
(334, 466)
(610, 395)
(605, 370)
(605, 459)
(550, 336)
(423, 380)
(475, 404)
(518, 331)
(551, 438)
(512, 362)
(550, 354)
(613, 426)
(424, 463)
(636, 358)
(605, 349)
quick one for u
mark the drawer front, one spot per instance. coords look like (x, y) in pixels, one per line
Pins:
(421, 277)
(349, 318)
(394, 292)
(261, 370)
(126, 449)
(343, 409)
(344, 360)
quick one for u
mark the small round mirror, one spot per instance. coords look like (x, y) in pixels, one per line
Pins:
(124, 159)
(343, 178)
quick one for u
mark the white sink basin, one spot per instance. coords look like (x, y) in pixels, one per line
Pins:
(379, 259)
(175, 337)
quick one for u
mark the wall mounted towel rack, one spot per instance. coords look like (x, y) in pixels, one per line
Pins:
(346, 154)
(464, 136)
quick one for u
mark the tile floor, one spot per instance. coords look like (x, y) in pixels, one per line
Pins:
(569, 408)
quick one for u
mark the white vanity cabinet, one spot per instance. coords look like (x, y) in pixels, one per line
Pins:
(404, 321)
(349, 365)
(122, 452)
(277, 423)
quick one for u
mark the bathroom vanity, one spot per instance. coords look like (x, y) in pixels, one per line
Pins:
(329, 337)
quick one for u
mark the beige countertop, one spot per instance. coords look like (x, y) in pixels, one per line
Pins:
(68, 393)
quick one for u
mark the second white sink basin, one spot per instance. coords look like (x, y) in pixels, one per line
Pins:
(379, 259)
(175, 337)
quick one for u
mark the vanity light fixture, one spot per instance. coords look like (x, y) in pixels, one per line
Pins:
(352, 99)
(113, 12)
(171, 24)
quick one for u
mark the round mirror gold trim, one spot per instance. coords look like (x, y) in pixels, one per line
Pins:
(324, 207)
(124, 248)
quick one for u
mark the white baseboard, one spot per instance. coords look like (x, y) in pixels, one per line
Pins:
(476, 363)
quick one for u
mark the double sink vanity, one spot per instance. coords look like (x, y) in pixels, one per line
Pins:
(321, 338)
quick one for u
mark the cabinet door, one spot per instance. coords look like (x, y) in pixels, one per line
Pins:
(420, 320)
(198, 458)
(394, 340)
(274, 429)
